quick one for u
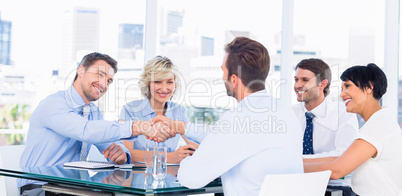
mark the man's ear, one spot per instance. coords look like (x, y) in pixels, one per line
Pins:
(234, 80)
(80, 70)
(324, 83)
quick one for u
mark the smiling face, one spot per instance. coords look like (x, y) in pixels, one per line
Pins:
(354, 98)
(94, 82)
(306, 87)
(162, 90)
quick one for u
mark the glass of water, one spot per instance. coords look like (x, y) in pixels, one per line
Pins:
(149, 155)
(159, 163)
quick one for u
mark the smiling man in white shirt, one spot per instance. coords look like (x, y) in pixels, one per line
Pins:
(332, 129)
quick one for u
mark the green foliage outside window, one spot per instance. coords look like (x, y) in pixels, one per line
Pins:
(204, 115)
(13, 116)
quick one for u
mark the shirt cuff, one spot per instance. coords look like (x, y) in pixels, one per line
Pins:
(126, 130)
(196, 132)
(128, 158)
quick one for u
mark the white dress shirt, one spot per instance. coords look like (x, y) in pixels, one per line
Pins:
(257, 138)
(334, 129)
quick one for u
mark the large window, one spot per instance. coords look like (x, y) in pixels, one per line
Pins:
(193, 34)
(42, 41)
(342, 33)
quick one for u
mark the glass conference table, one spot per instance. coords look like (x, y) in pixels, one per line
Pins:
(72, 181)
(138, 181)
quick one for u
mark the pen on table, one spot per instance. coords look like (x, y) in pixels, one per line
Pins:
(139, 167)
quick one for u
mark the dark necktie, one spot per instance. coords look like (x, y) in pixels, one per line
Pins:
(308, 134)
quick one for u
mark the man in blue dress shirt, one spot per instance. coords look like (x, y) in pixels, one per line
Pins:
(65, 124)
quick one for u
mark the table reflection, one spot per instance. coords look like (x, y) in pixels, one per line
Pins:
(139, 179)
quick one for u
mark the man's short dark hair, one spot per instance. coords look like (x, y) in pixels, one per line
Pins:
(249, 60)
(367, 76)
(320, 69)
(90, 59)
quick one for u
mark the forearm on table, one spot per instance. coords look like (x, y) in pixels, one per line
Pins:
(325, 163)
(137, 155)
(169, 157)
(319, 160)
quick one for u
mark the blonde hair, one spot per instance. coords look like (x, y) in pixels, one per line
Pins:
(157, 69)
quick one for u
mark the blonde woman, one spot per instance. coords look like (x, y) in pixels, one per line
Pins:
(158, 84)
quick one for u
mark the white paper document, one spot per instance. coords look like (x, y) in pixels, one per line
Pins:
(97, 165)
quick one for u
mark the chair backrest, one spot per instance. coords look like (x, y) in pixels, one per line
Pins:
(10, 158)
(308, 184)
(2, 181)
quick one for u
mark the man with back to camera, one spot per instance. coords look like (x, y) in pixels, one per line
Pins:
(257, 138)
(65, 124)
(328, 129)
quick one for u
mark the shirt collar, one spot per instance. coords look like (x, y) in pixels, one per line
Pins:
(148, 110)
(320, 110)
(247, 100)
(74, 99)
(384, 111)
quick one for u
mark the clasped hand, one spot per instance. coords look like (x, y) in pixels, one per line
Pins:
(157, 131)
(171, 127)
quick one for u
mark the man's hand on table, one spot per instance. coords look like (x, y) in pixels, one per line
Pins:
(116, 154)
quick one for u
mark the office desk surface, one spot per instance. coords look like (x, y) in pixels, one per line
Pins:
(131, 182)
(137, 182)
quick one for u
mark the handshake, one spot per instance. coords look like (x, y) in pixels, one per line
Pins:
(159, 128)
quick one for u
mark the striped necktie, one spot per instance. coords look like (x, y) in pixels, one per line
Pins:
(84, 148)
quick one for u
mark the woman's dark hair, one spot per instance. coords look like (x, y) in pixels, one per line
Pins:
(370, 76)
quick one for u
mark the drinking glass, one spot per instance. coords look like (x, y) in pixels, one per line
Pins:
(148, 180)
(149, 156)
(159, 184)
(159, 163)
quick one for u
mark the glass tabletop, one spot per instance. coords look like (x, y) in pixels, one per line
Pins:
(137, 181)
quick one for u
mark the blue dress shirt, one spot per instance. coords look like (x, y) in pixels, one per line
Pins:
(142, 110)
(57, 128)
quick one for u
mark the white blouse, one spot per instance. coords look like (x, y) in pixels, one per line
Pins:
(381, 175)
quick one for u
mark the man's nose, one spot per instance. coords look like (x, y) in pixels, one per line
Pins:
(299, 84)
